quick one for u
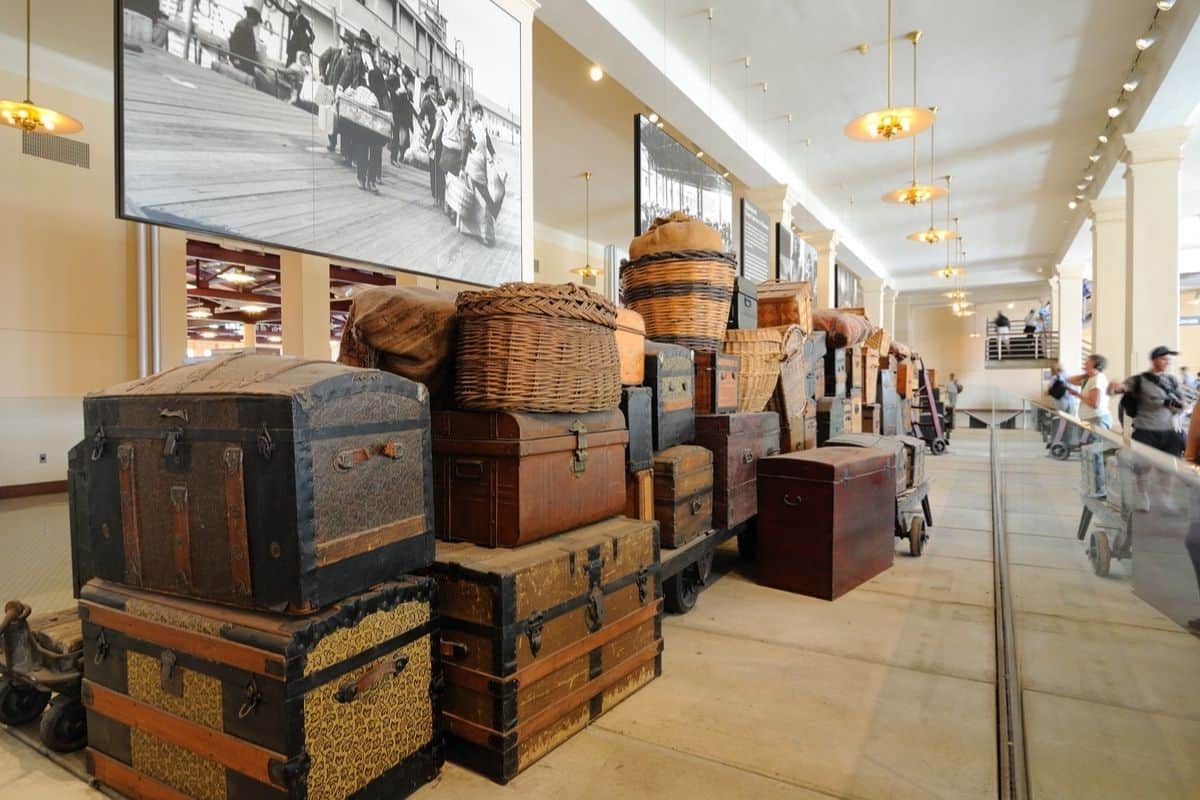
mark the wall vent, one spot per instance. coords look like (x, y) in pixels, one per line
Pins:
(57, 148)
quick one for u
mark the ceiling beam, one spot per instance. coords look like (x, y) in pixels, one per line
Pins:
(215, 252)
(241, 297)
(349, 275)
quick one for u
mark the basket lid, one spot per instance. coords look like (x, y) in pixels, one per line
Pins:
(559, 301)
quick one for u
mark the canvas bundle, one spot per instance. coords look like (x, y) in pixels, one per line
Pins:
(842, 329)
(900, 351)
(677, 231)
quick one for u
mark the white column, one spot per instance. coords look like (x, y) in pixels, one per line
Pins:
(249, 335)
(826, 243)
(1152, 241)
(1108, 282)
(304, 281)
(1068, 316)
(889, 310)
(873, 289)
(777, 202)
(172, 290)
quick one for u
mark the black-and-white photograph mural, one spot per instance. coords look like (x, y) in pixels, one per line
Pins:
(796, 259)
(379, 131)
(671, 178)
(847, 288)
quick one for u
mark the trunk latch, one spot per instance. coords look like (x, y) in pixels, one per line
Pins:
(643, 584)
(533, 629)
(171, 441)
(579, 462)
(170, 678)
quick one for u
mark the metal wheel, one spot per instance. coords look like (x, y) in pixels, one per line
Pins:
(20, 703)
(938, 446)
(704, 568)
(1099, 554)
(1060, 451)
(64, 725)
(680, 591)
(916, 536)
(748, 544)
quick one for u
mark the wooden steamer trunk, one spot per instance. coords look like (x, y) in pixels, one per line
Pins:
(737, 442)
(825, 524)
(259, 481)
(814, 358)
(506, 479)
(192, 699)
(856, 411)
(743, 310)
(639, 495)
(836, 382)
(901, 462)
(637, 405)
(833, 417)
(683, 494)
(872, 418)
(541, 640)
(670, 376)
(716, 383)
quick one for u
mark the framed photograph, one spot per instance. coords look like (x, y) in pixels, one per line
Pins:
(796, 259)
(756, 243)
(847, 288)
(669, 177)
(326, 128)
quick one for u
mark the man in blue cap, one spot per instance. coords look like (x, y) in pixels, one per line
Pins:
(1151, 402)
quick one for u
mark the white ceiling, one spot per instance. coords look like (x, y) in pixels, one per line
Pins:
(1022, 88)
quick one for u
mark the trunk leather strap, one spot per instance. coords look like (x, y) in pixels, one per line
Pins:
(130, 537)
(181, 535)
(235, 521)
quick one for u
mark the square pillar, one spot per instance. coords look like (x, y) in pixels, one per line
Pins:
(1108, 282)
(304, 281)
(873, 291)
(172, 297)
(1152, 241)
(777, 202)
(1068, 315)
(826, 243)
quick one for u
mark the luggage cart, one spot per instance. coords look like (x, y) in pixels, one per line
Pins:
(926, 415)
(1065, 438)
(686, 571)
(914, 517)
(43, 656)
(1112, 536)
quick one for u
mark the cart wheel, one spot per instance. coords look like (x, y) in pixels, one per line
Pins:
(64, 725)
(1060, 451)
(20, 704)
(704, 568)
(1098, 553)
(748, 544)
(916, 536)
(938, 446)
(680, 591)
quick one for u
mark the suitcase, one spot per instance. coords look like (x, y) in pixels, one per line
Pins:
(716, 383)
(870, 377)
(915, 449)
(631, 346)
(814, 358)
(872, 418)
(856, 411)
(785, 303)
(737, 442)
(826, 519)
(833, 417)
(506, 479)
(889, 403)
(810, 428)
(683, 494)
(260, 481)
(539, 641)
(836, 381)
(670, 376)
(639, 495)
(799, 433)
(901, 460)
(855, 361)
(743, 310)
(193, 699)
(636, 406)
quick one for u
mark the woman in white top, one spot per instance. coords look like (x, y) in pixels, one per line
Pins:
(1093, 392)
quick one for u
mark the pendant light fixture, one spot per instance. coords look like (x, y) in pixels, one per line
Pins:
(28, 116)
(892, 122)
(916, 193)
(950, 271)
(587, 270)
(933, 235)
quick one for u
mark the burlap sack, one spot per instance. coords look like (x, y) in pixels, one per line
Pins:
(673, 233)
(841, 329)
(900, 351)
(406, 330)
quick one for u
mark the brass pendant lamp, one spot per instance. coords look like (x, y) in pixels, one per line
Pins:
(587, 270)
(916, 193)
(933, 234)
(951, 271)
(893, 122)
(28, 116)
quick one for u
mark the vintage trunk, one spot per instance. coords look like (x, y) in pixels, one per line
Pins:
(631, 346)
(833, 417)
(889, 403)
(785, 303)
(683, 493)
(836, 382)
(636, 405)
(639, 495)
(77, 504)
(915, 448)
(716, 383)
(810, 428)
(870, 377)
(506, 479)
(737, 442)
(193, 699)
(814, 358)
(670, 376)
(541, 640)
(826, 519)
(900, 457)
(856, 411)
(872, 418)
(855, 366)
(259, 481)
(906, 378)
(799, 433)
(743, 310)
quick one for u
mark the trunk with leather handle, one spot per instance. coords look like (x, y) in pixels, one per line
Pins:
(540, 640)
(683, 494)
(669, 374)
(505, 479)
(259, 481)
(737, 442)
(826, 519)
(716, 384)
(192, 699)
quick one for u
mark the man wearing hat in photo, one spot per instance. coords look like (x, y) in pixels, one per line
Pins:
(1151, 401)
(243, 44)
(330, 67)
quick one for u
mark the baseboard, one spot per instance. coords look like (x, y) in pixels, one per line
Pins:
(32, 489)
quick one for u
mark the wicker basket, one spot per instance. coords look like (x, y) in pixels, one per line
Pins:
(537, 347)
(683, 295)
(760, 351)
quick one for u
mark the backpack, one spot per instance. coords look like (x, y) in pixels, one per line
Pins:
(1058, 389)
(1130, 401)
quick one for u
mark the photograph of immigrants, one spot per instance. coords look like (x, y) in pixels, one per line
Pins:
(386, 131)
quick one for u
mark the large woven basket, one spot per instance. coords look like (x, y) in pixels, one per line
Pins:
(683, 295)
(760, 350)
(537, 347)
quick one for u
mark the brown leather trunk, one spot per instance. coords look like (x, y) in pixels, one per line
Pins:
(258, 481)
(639, 495)
(737, 442)
(826, 519)
(631, 346)
(505, 479)
(191, 699)
(900, 458)
(716, 384)
(540, 640)
(683, 493)
(906, 378)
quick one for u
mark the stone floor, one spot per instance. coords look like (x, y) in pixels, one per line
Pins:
(886, 693)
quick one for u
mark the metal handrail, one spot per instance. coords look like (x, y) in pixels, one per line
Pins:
(1021, 346)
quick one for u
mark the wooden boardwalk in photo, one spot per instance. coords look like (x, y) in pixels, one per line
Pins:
(204, 151)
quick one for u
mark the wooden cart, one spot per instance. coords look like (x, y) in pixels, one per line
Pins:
(687, 570)
(43, 656)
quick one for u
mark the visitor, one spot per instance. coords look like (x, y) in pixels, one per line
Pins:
(1151, 402)
(1187, 378)
(1032, 321)
(1191, 541)
(1093, 409)
(953, 387)
(1003, 328)
(1060, 395)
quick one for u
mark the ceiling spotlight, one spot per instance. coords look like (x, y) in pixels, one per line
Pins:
(1089, 177)
(1132, 82)
(1072, 205)
(1165, 5)
(653, 116)
(1102, 138)
(1078, 197)
(659, 123)
(238, 276)
(1145, 41)
(1117, 110)
(596, 73)
(1081, 186)
(1095, 156)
